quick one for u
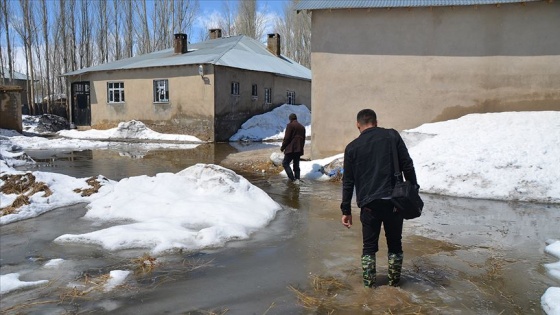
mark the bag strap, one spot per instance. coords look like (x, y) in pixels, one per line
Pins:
(398, 173)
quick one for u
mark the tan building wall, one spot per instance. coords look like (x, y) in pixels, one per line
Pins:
(232, 111)
(199, 106)
(191, 100)
(420, 65)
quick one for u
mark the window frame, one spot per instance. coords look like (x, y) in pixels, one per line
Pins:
(234, 88)
(113, 90)
(254, 92)
(268, 95)
(160, 100)
(290, 97)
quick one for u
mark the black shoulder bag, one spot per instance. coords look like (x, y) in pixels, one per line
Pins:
(405, 196)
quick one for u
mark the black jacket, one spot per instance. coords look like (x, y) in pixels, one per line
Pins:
(368, 166)
(294, 138)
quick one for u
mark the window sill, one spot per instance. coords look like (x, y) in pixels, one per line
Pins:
(115, 103)
(161, 103)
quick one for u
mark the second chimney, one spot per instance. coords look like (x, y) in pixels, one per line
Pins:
(180, 43)
(273, 43)
(215, 33)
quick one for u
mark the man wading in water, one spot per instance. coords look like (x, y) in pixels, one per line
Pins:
(368, 166)
(292, 146)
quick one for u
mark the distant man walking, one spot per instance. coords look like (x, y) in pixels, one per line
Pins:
(292, 146)
(368, 167)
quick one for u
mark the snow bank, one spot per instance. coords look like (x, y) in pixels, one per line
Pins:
(272, 125)
(127, 130)
(53, 263)
(201, 206)
(506, 156)
(550, 301)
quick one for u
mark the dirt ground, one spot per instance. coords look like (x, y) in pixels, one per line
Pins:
(257, 161)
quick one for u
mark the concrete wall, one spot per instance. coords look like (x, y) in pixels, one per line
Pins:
(420, 65)
(10, 108)
(232, 111)
(191, 100)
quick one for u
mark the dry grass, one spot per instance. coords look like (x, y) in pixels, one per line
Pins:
(144, 264)
(17, 184)
(330, 295)
(323, 299)
(16, 309)
(94, 187)
(23, 185)
(90, 284)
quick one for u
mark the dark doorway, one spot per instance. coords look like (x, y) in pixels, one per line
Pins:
(81, 106)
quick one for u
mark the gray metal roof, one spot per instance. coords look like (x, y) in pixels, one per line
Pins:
(17, 75)
(362, 4)
(240, 52)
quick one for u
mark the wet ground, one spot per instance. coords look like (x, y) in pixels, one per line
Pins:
(462, 256)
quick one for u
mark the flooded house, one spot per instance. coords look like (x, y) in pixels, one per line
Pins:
(417, 62)
(205, 89)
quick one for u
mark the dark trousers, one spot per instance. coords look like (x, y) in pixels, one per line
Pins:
(372, 216)
(288, 158)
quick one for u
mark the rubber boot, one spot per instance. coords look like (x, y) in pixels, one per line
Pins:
(368, 267)
(394, 270)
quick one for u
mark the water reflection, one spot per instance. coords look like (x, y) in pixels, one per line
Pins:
(461, 256)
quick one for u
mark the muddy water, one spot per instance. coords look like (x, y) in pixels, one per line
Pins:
(461, 257)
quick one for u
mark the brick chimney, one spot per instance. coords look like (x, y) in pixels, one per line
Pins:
(180, 43)
(273, 43)
(215, 33)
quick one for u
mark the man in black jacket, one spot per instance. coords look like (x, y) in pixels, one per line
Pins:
(368, 167)
(292, 146)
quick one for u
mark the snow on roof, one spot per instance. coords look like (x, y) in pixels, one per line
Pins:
(240, 52)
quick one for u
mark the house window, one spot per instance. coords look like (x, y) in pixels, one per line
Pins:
(115, 92)
(254, 93)
(234, 88)
(291, 98)
(161, 91)
(268, 96)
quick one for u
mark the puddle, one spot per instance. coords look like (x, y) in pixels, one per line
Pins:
(462, 256)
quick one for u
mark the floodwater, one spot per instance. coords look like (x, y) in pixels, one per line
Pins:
(462, 256)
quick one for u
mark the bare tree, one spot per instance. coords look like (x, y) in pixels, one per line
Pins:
(46, 45)
(6, 10)
(129, 27)
(102, 30)
(295, 30)
(143, 32)
(227, 21)
(184, 16)
(161, 24)
(246, 18)
(117, 53)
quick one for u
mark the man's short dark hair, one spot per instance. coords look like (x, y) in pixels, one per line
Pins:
(366, 117)
(292, 117)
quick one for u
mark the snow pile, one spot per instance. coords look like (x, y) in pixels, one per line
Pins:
(53, 263)
(127, 130)
(550, 301)
(10, 282)
(506, 156)
(315, 169)
(272, 125)
(201, 206)
(116, 278)
(60, 186)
